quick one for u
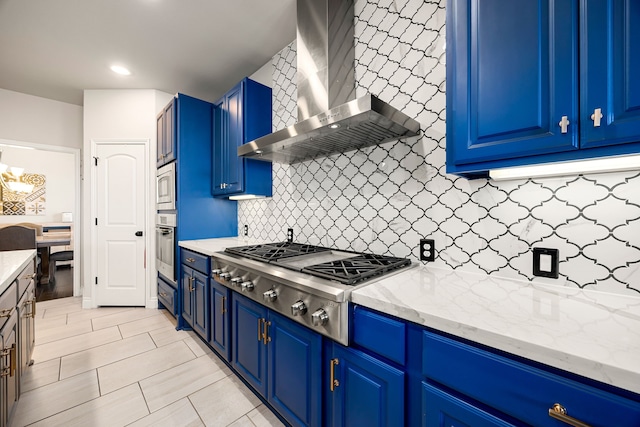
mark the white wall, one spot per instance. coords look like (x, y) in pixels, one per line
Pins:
(39, 120)
(120, 115)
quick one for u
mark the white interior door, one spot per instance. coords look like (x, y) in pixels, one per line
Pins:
(121, 201)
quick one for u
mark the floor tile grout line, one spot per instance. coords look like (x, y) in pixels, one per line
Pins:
(67, 409)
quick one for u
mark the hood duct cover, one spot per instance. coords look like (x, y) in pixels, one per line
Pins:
(331, 121)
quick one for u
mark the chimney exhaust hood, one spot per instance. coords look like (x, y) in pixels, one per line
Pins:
(331, 119)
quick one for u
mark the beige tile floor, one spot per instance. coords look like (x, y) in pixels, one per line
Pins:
(121, 366)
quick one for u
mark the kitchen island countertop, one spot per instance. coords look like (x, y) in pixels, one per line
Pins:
(592, 334)
(11, 264)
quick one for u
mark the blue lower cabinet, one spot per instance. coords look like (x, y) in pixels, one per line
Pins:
(219, 320)
(294, 358)
(280, 359)
(366, 391)
(167, 295)
(195, 307)
(441, 409)
(249, 352)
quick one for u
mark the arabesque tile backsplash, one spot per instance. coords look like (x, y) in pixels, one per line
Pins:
(383, 199)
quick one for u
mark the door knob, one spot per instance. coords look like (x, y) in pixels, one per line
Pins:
(138, 233)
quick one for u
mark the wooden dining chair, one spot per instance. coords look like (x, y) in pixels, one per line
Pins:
(17, 237)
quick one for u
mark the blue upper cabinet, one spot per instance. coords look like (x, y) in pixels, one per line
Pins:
(166, 137)
(610, 38)
(241, 115)
(524, 78)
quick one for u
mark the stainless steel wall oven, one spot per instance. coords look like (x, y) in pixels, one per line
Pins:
(165, 244)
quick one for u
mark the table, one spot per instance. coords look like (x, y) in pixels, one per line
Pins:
(43, 244)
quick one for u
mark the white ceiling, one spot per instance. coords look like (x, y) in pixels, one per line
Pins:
(57, 48)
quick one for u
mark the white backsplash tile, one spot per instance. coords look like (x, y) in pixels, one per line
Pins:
(383, 199)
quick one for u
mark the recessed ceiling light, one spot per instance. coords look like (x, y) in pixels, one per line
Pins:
(120, 70)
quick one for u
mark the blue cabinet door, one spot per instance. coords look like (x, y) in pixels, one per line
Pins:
(441, 409)
(219, 324)
(165, 135)
(610, 82)
(241, 115)
(186, 284)
(200, 304)
(295, 371)
(234, 116)
(218, 169)
(249, 354)
(511, 77)
(368, 393)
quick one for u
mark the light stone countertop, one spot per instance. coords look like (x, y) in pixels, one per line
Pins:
(593, 334)
(11, 264)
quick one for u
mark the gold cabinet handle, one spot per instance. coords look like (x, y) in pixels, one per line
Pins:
(11, 370)
(260, 320)
(265, 336)
(7, 313)
(190, 260)
(332, 368)
(163, 294)
(559, 412)
(223, 305)
(191, 288)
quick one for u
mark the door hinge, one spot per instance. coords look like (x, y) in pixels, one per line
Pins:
(95, 160)
(96, 280)
(96, 221)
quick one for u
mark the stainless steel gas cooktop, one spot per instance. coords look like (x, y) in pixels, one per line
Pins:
(309, 284)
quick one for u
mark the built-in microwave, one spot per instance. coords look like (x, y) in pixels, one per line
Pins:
(166, 187)
(166, 245)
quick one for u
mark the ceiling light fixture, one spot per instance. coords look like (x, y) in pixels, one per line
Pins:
(606, 164)
(120, 70)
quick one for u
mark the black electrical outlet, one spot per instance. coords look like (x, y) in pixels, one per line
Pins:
(246, 230)
(546, 262)
(289, 234)
(427, 250)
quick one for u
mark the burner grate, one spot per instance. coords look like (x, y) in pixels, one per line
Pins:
(275, 251)
(355, 269)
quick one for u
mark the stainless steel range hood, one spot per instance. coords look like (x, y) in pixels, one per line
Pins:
(331, 120)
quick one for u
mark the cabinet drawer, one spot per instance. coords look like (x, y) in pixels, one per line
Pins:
(167, 296)
(8, 302)
(379, 334)
(25, 277)
(517, 389)
(195, 260)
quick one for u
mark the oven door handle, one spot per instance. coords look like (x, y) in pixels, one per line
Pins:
(165, 230)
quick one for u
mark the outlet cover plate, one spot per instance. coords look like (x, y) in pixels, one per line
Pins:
(546, 262)
(289, 234)
(246, 230)
(427, 250)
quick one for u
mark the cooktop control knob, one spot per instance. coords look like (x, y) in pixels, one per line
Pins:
(247, 286)
(216, 271)
(236, 281)
(319, 317)
(298, 308)
(270, 295)
(225, 275)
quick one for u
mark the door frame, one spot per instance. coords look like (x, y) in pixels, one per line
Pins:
(89, 295)
(76, 234)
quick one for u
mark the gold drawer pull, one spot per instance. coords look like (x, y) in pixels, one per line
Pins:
(7, 313)
(332, 367)
(224, 310)
(260, 328)
(162, 294)
(559, 412)
(265, 336)
(11, 370)
(191, 260)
